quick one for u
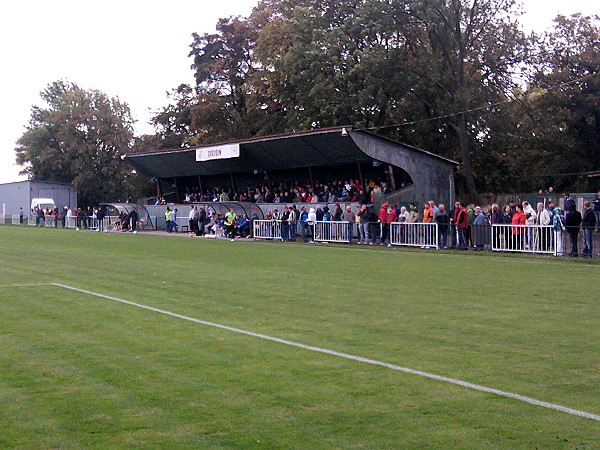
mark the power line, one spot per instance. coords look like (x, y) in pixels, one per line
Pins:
(479, 108)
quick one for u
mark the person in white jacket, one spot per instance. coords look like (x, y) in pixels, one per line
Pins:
(531, 216)
(544, 234)
(311, 220)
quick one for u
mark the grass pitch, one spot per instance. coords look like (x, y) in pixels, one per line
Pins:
(78, 370)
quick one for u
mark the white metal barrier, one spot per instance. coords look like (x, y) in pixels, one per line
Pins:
(414, 234)
(330, 231)
(15, 219)
(267, 229)
(333, 231)
(526, 239)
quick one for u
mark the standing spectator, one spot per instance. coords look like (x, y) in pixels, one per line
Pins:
(496, 219)
(596, 203)
(311, 220)
(588, 224)
(201, 220)
(80, 219)
(21, 216)
(174, 226)
(382, 219)
(531, 217)
(168, 215)
(519, 218)
(559, 227)
(229, 222)
(481, 229)
(285, 224)
(363, 226)
(569, 202)
(193, 218)
(462, 225)
(443, 221)
(387, 215)
(350, 217)
(304, 224)
(292, 224)
(543, 219)
(100, 215)
(469, 229)
(572, 223)
(428, 213)
(133, 218)
(453, 220)
(337, 213)
(413, 214)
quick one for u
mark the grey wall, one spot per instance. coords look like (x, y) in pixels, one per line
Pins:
(18, 195)
(433, 177)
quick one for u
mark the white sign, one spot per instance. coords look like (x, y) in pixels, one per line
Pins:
(218, 152)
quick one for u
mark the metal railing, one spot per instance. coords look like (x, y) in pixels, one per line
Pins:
(525, 238)
(267, 229)
(333, 232)
(423, 235)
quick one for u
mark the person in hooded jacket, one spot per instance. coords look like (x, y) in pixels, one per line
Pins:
(558, 227)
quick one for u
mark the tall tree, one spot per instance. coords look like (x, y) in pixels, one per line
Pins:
(79, 138)
(464, 59)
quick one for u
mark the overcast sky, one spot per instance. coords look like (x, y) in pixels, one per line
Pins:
(132, 49)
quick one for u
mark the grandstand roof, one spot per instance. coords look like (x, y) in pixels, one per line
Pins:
(320, 147)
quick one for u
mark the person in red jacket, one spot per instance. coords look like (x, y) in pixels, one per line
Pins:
(462, 223)
(519, 218)
(387, 215)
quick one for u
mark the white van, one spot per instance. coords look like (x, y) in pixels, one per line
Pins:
(43, 203)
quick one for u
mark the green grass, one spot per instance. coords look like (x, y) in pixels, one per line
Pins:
(79, 371)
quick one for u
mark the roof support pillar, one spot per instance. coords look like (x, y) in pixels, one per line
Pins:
(360, 176)
(232, 181)
(392, 177)
(176, 190)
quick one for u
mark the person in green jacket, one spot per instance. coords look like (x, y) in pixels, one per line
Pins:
(230, 219)
(168, 215)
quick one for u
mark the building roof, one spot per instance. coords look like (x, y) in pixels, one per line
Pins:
(320, 147)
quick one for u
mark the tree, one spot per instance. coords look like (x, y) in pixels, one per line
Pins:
(568, 109)
(79, 138)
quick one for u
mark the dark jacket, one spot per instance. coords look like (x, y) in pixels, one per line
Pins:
(572, 221)
(589, 218)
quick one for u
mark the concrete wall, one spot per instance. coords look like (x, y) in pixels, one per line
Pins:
(433, 177)
(18, 195)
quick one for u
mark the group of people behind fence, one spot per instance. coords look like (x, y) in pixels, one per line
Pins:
(513, 227)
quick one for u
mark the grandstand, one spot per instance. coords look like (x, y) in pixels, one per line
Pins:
(322, 155)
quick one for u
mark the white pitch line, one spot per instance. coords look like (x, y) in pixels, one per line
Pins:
(374, 362)
(24, 285)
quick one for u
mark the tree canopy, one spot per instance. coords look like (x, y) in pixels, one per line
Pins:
(457, 77)
(79, 138)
